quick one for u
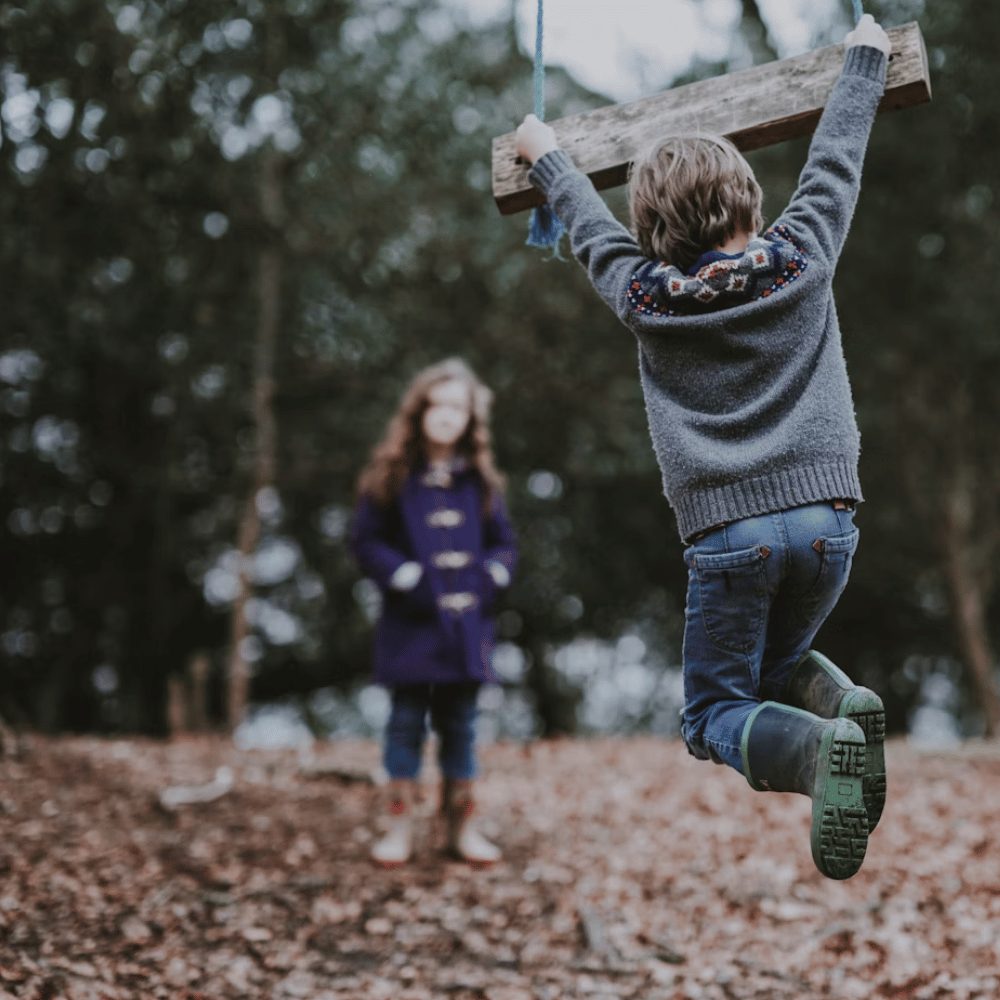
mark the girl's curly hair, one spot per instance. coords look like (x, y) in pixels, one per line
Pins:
(401, 448)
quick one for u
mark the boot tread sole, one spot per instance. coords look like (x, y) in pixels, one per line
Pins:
(847, 758)
(866, 709)
(840, 821)
(843, 840)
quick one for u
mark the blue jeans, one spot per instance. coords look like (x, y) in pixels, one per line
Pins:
(452, 710)
(758, 591)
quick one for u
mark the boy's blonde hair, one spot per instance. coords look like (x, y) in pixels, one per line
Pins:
(688, 194)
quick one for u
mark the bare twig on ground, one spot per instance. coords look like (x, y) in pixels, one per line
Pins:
(186, 795)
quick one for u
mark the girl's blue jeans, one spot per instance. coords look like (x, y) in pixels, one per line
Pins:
(452, 712)
(758, 591)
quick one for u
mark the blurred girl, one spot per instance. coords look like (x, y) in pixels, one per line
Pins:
(432, 532)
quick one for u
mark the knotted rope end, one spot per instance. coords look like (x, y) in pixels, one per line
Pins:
(545, 230)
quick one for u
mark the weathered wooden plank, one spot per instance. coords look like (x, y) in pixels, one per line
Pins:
(754, 107)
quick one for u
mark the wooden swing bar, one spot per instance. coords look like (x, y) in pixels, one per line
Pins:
(754, 107)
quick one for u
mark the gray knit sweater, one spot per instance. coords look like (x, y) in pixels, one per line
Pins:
(742, 368)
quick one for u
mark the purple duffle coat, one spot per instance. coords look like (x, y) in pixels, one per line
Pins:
(418, 638)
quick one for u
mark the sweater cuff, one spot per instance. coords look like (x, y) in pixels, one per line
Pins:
(863, 60)
(549, 168)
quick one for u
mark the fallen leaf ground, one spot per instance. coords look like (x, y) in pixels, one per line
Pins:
(631, 871)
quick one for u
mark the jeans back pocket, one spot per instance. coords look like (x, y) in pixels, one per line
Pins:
(732, 592)
(836, 556)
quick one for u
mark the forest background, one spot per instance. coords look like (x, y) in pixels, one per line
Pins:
(233, 231)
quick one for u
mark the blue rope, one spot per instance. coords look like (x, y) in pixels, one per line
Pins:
(858, 10)
(544, 229)
(538, 77)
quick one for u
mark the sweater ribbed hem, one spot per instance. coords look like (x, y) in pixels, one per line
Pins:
(698, 510)
(549, 167)
(863, 60)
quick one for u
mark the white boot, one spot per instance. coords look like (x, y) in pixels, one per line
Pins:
(395, 848)
(464, 841)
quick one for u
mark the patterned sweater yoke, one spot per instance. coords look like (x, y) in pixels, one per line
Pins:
(742, 367)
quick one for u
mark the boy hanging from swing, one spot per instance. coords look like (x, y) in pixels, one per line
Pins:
(752, 421)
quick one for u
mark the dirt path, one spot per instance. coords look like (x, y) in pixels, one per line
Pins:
(631, 871)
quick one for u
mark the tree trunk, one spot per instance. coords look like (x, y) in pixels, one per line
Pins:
(556, 709)
(177, 714)
(968, 594)
(755, 31)
(198, 671)
(269, 278)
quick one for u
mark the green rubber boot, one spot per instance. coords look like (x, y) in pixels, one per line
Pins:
(788, 750)
(819, 686)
